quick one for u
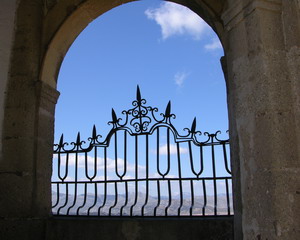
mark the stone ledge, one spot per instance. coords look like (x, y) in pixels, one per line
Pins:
(72, 228)
(209, 228)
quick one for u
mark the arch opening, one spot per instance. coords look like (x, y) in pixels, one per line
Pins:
(209, 45)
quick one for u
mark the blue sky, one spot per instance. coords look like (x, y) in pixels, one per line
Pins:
(164, 47)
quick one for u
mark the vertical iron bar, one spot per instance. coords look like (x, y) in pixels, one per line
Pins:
(105, 181)
(66, 168)
(158, 198)
(225, 158)
(95, 200)
(86, 165)
(136, 175)
(170, 198)
(116, 155)
(59, 164)
(227, 196)
(75, 182)
(84, 199)
(91, 179)
(147, 174)
(214, 176)
(66, 200)
(168, 152)
(116, 199)
(157, 152)
(191, 158)
(192, 198)
(126, 198)
(57, 196)
(201, 161)
(95, 162)
(180, 179)
(125, 153)
(204, 196)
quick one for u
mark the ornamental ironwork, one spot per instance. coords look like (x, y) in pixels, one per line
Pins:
(143, 167)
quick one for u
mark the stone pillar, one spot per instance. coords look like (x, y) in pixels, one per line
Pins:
(7, 20)
(27, 138)
(47, 99)
(25, 177)
(263, 52)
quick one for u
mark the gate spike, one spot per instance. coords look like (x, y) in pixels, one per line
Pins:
(78, 138)
(168, 109)
(114, 116)
(193, 128)
(138, 94)
(61, 140)
(94, 133)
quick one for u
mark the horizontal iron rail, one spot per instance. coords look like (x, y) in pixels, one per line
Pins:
(143, 179)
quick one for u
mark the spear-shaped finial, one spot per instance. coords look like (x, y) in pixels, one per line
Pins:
(138, 94)
(193, 128)
(94, 132)
(78, 138)
(168, 109)
(61, 140)
(114, 116)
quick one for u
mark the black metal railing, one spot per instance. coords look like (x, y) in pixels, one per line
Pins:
(144, 167)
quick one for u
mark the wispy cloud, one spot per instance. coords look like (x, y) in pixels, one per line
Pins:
(90, 162)
(175, 19)
(163, 150)
(179, 78)
(215, 44)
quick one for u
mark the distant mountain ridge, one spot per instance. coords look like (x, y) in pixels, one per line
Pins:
(197, 210)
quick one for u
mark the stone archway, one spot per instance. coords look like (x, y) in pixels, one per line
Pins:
(261, 40)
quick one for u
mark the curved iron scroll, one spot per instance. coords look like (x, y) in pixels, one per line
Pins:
(124, 175)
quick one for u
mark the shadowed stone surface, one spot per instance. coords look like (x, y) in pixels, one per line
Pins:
(140, 229)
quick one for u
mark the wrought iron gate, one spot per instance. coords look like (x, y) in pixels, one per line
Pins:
(144, 167)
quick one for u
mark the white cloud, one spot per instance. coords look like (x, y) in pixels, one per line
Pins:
(175, 19)
(163, 150)
(110, 163)
(179, 78)
(215, 44)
